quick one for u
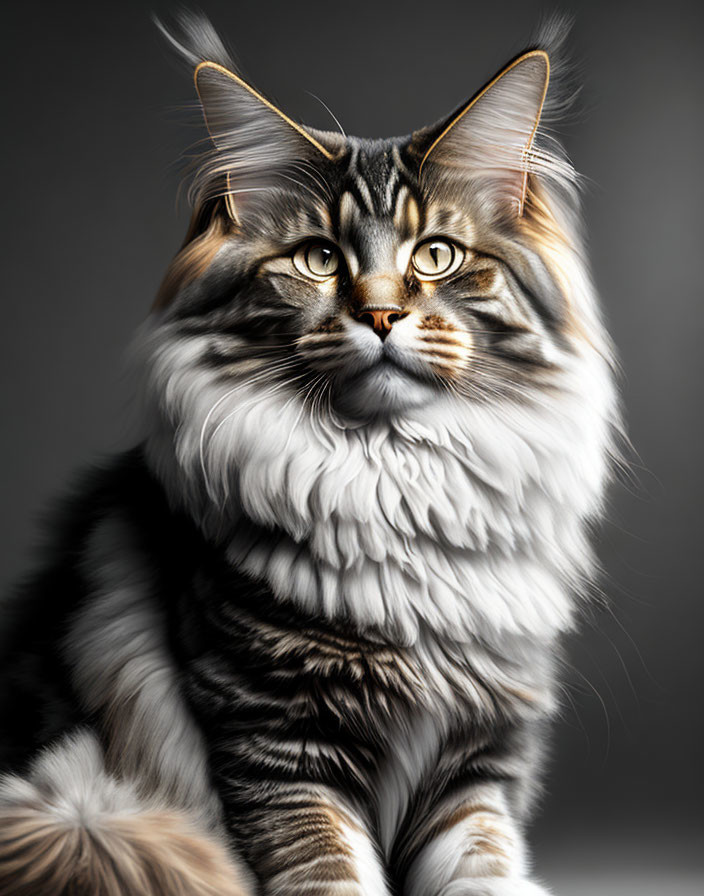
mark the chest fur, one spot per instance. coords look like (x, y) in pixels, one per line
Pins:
(280, 693)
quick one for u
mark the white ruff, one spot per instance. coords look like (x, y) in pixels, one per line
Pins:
(466, 518)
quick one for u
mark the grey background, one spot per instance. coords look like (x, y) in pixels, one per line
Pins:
(90, 220)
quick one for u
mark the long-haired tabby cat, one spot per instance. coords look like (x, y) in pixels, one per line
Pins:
(302, 639)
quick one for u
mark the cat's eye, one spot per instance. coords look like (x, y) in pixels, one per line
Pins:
(436, 258)
(317, 259)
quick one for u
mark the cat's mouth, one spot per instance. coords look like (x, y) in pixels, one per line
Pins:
(401, 363)
(395, 364)
(386, 385)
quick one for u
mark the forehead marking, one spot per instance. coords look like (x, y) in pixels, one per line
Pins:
(396, 155)
(401, 210)
(406, 214)
(348, 210)
(364, 192)
(390, 186)
(324, 216)
(443, 221)
(412, 214)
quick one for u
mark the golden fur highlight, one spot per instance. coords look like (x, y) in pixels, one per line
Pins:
(195, 256)
(559, 254)
(71, 829)
(43, 853)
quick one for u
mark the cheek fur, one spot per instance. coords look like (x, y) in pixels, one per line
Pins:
(338, 344)
(446, 346)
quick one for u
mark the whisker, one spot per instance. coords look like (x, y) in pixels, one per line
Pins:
(328, 110)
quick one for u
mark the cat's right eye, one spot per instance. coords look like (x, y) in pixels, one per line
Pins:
(436, 258)
(317, 259)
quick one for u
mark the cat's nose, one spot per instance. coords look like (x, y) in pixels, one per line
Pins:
(380, 317)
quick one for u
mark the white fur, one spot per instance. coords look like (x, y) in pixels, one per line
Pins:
(70, 780)
(493, 886)
(367, 863)
(461, 854)
(466, 518)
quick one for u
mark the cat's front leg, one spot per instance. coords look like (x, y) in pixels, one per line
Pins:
(305, 839)
(469, 845)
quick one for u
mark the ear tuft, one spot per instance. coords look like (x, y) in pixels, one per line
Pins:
(194, 39)
(257, 148)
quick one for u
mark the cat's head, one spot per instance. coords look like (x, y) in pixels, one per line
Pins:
(331, 285)
(375, 275)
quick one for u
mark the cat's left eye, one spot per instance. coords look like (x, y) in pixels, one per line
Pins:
(436, 258)
(317, 259)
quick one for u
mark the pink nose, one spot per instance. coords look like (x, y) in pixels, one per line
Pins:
(380, 318)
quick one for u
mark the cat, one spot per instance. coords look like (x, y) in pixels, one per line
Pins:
(303, 638)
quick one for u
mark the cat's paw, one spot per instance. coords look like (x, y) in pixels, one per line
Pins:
(493, 886)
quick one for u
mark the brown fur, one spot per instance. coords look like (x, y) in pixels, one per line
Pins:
(555, 248)
(154, 853)
(456, 816)
(435, 322)
(195, 256)
(375, 289)
(442, 340)
(483, 278)
(330, 325)
(306, 844)
(71, 829)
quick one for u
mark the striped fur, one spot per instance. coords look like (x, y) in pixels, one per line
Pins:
(334, 724)
(312, 622)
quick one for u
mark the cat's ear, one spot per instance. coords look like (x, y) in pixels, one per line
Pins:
(256, 142)
(492, 135)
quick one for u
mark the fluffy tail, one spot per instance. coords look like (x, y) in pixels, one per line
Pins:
(69, 829)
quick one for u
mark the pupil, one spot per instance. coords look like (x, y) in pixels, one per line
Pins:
(439, 253)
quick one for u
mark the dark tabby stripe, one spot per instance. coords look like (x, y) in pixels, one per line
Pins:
(298, 718)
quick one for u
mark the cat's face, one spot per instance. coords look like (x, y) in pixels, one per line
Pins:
(370, 276)
(380, 295)
(396, 293)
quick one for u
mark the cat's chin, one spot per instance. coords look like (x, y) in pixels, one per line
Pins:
(382, 390)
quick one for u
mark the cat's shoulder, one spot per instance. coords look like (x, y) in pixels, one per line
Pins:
(114, 516)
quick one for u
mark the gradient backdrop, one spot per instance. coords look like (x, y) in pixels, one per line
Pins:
(93, 134)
